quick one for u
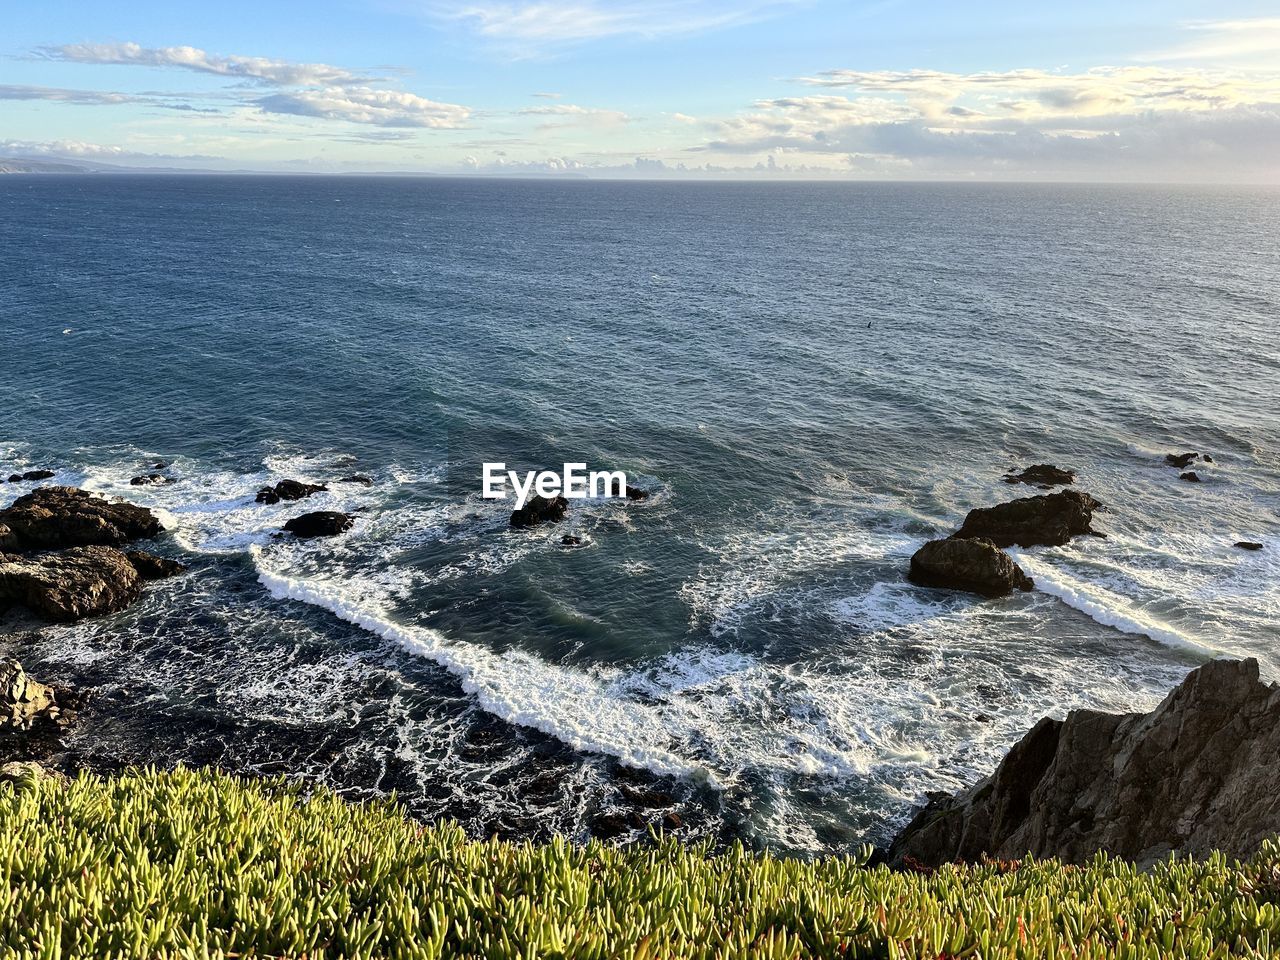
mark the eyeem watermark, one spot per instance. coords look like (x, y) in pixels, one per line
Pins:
(575, 483)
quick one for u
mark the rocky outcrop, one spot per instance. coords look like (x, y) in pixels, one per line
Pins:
(1197, 774)
(24, 702)
(540, 510)
(1190, 476)
(1248, 545)
(76, 583)
(33, 716)
(635, 493)
(151, 567)
(30, 475)
(975, 565)
(289, 490)
(1043, 475)
(150, 480)
(321, 523)
(51, 518)
(1180, 460)
(1049, 520)
(359, 478)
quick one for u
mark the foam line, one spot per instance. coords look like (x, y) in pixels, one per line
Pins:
(570, 705)
(1107, 608)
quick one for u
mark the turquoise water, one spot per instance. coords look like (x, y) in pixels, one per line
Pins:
(812, 379)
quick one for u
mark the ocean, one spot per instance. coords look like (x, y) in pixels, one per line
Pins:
(810, 379)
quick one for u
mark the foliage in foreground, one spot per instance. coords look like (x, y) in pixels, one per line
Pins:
(200, 864)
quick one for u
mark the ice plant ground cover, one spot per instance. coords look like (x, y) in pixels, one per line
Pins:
(186, 863)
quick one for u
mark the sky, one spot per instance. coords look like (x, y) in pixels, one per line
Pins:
(887, 89)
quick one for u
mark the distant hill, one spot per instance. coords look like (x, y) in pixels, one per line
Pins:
(24, 165)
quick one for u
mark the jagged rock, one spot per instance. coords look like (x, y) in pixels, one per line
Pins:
(1190, 476)
(540, 510)
(30, 475)
(54, 517)
(1248, 545)
(1180, 460)
(975, 565)
(1048, 520)
(609, 826)
(160, 465)
(150, 479)
(359, 478)
(321, 523)
(1042, 474)
(1196, 774)
(78, 582)
(569, 540)
(151, 567)
(672, 821)
(1206, 458)
(635, 493)
(24, 701)
(289, 490)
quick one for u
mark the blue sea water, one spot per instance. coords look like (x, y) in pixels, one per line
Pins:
(812, 380)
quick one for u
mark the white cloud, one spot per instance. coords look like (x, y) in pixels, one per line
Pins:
(89, 97)
(385, 108)
(257, 69)
(570, 114)
(85, 150)
(1221, 40)
(535, 24)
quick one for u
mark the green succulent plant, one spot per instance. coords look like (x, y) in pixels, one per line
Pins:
(200, 864)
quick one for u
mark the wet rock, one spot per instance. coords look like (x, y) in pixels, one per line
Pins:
(160, 465)
(1206, 458)
(1042, 474)
(672, 821)
(78, 582)
(1190, 476)
(151, 567)
(1180, 460)
(975, 565)
(54, 517)
(288, 490)
(635, 493)
(321, 523)
(647, 796)
(569, 540)
(540, 510)
(359, 478)
(1194, 775)
(609, 826)
(1048, 520)
(150, 479)
(1248, 545)
(30, 475)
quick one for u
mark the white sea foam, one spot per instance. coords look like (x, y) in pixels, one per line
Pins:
(1107, 607)
(573, 706)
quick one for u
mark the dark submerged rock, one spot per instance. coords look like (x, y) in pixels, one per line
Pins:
(975, 565)
(1194, 775)
(1248, 545)
(54, 517)
(359, 478)
(540, 510)
(1180, 460)
(150, 479)
(288, 490)
(1042, 474)
(321, 523)
(569, 540)
(1049, 520)
(30, 475)
(151, 567)
(1190, 476)
(635, 493)
(76, 583)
